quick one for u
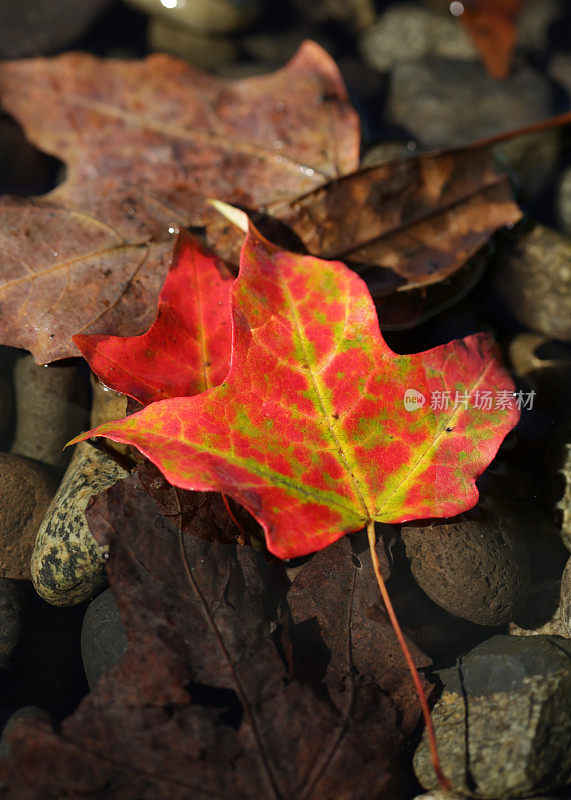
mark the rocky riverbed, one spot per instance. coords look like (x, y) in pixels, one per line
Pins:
(486, 595)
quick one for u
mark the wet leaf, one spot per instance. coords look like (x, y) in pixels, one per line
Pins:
(187, 349)
(406, 226)
(201, 514)
(144, 143)
(203, 704)
(310, 431)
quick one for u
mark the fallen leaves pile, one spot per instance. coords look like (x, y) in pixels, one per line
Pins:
(276, 389)
(235, 684)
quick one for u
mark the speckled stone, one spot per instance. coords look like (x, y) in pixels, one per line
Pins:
(503, 722)
(103, 637)
(565, 600)
(534, 280)
(67, 563)
(51, 408)
(12, 608)
(477, 569)
(26, 490)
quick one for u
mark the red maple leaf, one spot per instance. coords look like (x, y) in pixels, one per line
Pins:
(309, 431)
(314, 430)
(187, 349)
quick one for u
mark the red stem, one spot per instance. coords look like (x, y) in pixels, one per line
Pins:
(443, 781)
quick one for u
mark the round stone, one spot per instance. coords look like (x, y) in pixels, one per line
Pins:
(25, 493)
(477, 569)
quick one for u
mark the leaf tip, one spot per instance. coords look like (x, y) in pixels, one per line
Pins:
(231, 213)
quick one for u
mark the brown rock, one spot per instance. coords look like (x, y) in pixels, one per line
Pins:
(476, 566)
(25, 493)
(565, 602)
(534, 279)
(51, 408)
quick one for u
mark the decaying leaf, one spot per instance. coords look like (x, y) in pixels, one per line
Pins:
(201, 514)
(145, 142)
(203, 705)
(309, 431)
(405, 225)
(491, 24)
(187, 349)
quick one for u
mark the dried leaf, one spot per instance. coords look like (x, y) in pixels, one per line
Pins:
(187, 349)
(201, 514)
(404, 226)
(145, 142)
(202, 704)
(309, 432)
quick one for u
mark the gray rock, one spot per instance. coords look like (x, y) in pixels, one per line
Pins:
(67, 564)
(475, 568)
(51, 408)
(38, 27)
(103, 637)
(26, 490)
(565, 601)
(564, 199)
(12, 608)
(534, 279)
(447, 103)
(408, 32)
(20, 717)
(503, 723)
(204, 16)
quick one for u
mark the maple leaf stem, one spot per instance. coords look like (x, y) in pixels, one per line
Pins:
(231, 515)
(443, 781)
